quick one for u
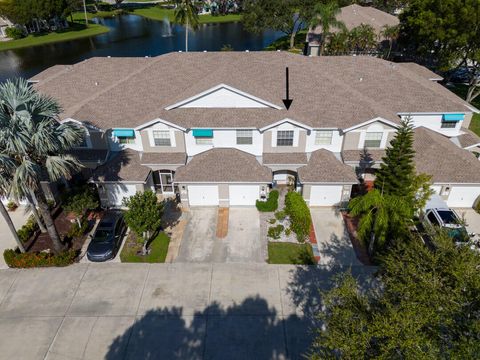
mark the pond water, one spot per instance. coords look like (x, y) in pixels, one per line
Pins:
(131, 35)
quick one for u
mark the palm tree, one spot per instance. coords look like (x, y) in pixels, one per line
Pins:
(186, 14)
(34, 143)
(325, 15)
(6, 165)
(390, 33)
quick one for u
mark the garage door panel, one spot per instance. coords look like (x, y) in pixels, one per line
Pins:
(117, 192)
(325, 195)
(203, 195)
(243, 195)
(463, 196)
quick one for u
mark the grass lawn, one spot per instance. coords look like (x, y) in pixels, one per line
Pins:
(75, 31)
(283, 43)
(157, 13)
(158, 250)
(461, 90)
(289, 253)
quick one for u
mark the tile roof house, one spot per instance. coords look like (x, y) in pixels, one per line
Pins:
(353, 16)
(211, 128)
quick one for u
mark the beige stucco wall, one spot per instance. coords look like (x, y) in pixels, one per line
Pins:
(351, 140)
(467, 120)
(179, 143)
(268, 148)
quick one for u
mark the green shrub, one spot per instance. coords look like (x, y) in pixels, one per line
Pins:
(16, 259)
(77, 230)
(272, 221)
(275, 231)
(271, 204)
(288, 231)
(14, 33)
(300, 218)
(11, 205)
(280, 215)
(27, 230)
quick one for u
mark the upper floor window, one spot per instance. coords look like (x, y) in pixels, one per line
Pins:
(124, 136)
(204, 141)
(373, 139)
(285, 138)
(449, 124)
(244, 137)
(162, 138)
(323, 137)
(126, 139)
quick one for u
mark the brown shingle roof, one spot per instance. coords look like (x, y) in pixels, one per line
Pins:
(361, 155)
(336, 92)
(436, 155)
(90, 155)
(468, 138)
(284, 158)
(123, 166)
(163, 158)
(223, 165)
(324, 167)
(421, 71)
(355, 15)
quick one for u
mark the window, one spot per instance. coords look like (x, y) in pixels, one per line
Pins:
(285, 138)
(161, 138)
(433, 219)
(204, 141)
(449, 124)
(323, 137)
(373, 139)
(244, 137)
(126, 139)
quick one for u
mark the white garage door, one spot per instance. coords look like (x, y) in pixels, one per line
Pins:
(243, 195)
(463, 196)
(117, 192)
(203, 195)
(325, 195)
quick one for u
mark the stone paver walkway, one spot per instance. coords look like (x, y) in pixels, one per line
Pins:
(160, 311)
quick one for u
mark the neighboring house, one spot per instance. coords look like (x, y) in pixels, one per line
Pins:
(211, 128)
(353, 16)
(4, 24)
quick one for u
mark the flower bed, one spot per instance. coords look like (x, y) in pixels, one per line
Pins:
(16, 259)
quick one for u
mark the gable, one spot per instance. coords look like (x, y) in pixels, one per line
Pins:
(223, 96)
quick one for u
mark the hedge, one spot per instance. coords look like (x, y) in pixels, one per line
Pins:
(271, 204)
(300, 218)
(16, 259)
(27, 230)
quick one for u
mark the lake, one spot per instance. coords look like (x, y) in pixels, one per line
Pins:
(131, 35)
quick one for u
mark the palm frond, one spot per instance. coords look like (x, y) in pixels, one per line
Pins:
(61, 166)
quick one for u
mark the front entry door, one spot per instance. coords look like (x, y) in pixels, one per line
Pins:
(163, 180)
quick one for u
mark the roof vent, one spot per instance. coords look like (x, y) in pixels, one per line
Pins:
(96, 83)
(247, 50)
(361, 79)
(108, 57)
(204, 50)
(146, 57)
(279, 50)
(180, 51)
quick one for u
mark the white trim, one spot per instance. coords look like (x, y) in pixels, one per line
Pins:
(224, 182)
(471, 146)
(328, 183)
(151, 139)
(280, 122)
(157, 120)
(380, 119)
(218, 87)
(431, 113)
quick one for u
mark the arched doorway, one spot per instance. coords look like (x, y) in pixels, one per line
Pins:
(285, 178)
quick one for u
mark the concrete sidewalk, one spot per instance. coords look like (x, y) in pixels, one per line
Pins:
(161, 311)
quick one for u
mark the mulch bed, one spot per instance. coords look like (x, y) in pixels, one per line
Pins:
(360, 250)
(63, 223)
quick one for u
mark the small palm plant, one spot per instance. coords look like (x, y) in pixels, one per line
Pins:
(325, 15)
(390, 33)
(186, 14)
(34, 144)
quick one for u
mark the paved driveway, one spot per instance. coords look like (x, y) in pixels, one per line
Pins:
(19, 218)
(241, 245)
(333, 242)
(160, 311)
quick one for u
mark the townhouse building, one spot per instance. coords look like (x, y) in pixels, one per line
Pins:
(211, 128)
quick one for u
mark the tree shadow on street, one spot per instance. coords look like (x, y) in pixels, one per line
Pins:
(249, 330)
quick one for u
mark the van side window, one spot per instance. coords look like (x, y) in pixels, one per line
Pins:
(433, 219)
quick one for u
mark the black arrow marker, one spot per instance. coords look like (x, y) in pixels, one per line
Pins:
(287, 102)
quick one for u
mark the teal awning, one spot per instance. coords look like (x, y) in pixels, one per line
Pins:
(453, 117)
(208, 133)
(123, 133)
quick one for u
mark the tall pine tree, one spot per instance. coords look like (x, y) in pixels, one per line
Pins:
(397, 174)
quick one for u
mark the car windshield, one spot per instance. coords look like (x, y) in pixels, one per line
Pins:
(102, 235)
(448, 217)
(458, 235)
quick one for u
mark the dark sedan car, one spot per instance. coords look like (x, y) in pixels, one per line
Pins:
(107, 238)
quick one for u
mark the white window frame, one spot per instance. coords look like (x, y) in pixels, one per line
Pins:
(204, 141)
(244, 134)
(129, 140)
(166, 135)
(323, 140)
(382, 134)
(292, 138)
